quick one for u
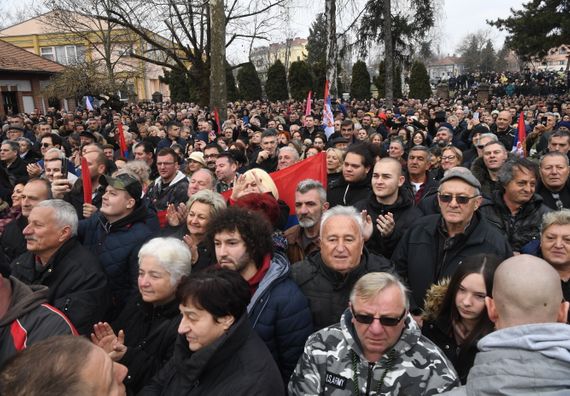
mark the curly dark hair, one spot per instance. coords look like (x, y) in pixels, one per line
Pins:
(253, 228)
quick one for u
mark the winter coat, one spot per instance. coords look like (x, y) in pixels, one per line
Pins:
(488, 186)
(238, 363)
(117, 245)
(413, 366)
(429, 187)
(295, 251)
(12, 241)
(29, 319)
(77, 283)
(327, 290)
(347, 194)
(75, 197)
(405, 213)
(175, 193)
(150, 335)
(425, 255)
(279, 313)
(522, 229)
(548, 198)
(531, 359)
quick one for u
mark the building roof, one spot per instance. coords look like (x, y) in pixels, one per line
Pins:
(16, 59)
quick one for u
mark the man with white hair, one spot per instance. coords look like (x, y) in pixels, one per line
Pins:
(287, 157)
(375, 349)
(56, 259)
(529, 353)
(327, 277)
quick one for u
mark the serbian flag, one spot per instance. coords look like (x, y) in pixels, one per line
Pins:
(520, 138)
(86, 178)
(217, 118)
(89, 103)
(328, 118)
(122, 143)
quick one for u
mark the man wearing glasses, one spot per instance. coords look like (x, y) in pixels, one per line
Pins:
(435, 245)
(376, 348)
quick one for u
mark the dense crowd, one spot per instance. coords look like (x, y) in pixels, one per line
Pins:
(150, 251)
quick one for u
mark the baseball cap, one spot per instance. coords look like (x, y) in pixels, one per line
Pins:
(462, 173)
(124, 182)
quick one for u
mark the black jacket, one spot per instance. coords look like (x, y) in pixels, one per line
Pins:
(424, 256)
(405, 213)
(150, 334)
(327, 290)
(549, 200)
(347, 194)
(238, 363)
(12, 240)
(522, 229)
(488, 186)
(76, 281)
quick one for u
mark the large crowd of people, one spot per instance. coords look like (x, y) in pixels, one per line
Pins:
(149, 250)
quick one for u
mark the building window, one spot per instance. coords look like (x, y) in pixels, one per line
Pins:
(64, 54)
(562, 63)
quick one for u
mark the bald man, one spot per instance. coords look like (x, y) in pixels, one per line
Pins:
(529, 353)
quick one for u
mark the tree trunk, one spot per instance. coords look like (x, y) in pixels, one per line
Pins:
(331, 54)
(218, 89)
(388, 55)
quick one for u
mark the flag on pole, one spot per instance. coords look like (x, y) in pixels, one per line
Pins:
(308, 105)
(88, 103)
(520, 138)
(122, 143)
(86, 178)
(328, 117)
(217, 118)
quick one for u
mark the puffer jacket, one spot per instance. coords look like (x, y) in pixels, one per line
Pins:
(238, 364)
(424, 256)
(522, 229)
(405, 213)
(117, 245)
(413, 366)
(29, 319)
(327, 290)
(280, 314)
(150, 334)
(77, 283)
(529, 359)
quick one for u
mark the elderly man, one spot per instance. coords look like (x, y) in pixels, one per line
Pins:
(434, 246)
(516, 209)
(287, 157)
(418, 179)
(375, 349)
(531, 334)
(310, 204)
(555, 245)
(554, 188)
(55, 258)
(327, 277)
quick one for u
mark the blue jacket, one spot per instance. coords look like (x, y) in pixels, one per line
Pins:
(279, 312)
(117, 245)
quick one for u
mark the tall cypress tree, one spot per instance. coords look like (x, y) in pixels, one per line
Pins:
(300, 80)
(360, 85)
(276, 84)
(419, 82)
(249, 83)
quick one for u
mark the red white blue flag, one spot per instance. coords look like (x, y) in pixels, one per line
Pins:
(328, 117)
(520, 138)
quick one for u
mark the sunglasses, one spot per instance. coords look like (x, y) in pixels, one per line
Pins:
(480, 146)
(460, 199)
(384, 320)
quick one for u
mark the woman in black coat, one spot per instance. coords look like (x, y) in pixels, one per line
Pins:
(217, 352)
(147, 326)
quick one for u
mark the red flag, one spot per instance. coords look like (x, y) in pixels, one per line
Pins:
(122, 143)
(217, 118)
(86, 177)
(308, 104)
(286, 180)
(519, 146)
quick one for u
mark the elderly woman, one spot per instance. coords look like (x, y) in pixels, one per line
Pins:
(148, 322)
(217, 351)
(199, 209)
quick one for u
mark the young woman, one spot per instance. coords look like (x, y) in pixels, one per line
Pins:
(455, 315)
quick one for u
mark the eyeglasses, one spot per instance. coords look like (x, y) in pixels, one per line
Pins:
(211, 156)
(448, 158)
(384, 320)
(460, 199)
(46, 145)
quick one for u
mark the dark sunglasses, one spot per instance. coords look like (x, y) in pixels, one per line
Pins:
(460, 199)
(46, 145)
(480, 146)
(384, 320)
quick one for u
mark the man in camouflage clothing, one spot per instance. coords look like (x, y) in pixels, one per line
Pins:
(376, 349)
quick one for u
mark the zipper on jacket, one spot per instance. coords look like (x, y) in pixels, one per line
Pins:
(369, 378)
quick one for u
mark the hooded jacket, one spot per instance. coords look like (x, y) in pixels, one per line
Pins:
(77, 283)
(279, 313)
(529, 359)
(237, 363)
(405, 213)
(29, 319)
(348, 194)
(328, 291)
(413, 366)
(176, 192)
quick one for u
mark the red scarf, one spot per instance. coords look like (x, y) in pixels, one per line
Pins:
(255, 279)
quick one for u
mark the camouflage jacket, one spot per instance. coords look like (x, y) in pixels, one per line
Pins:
(414, 366)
